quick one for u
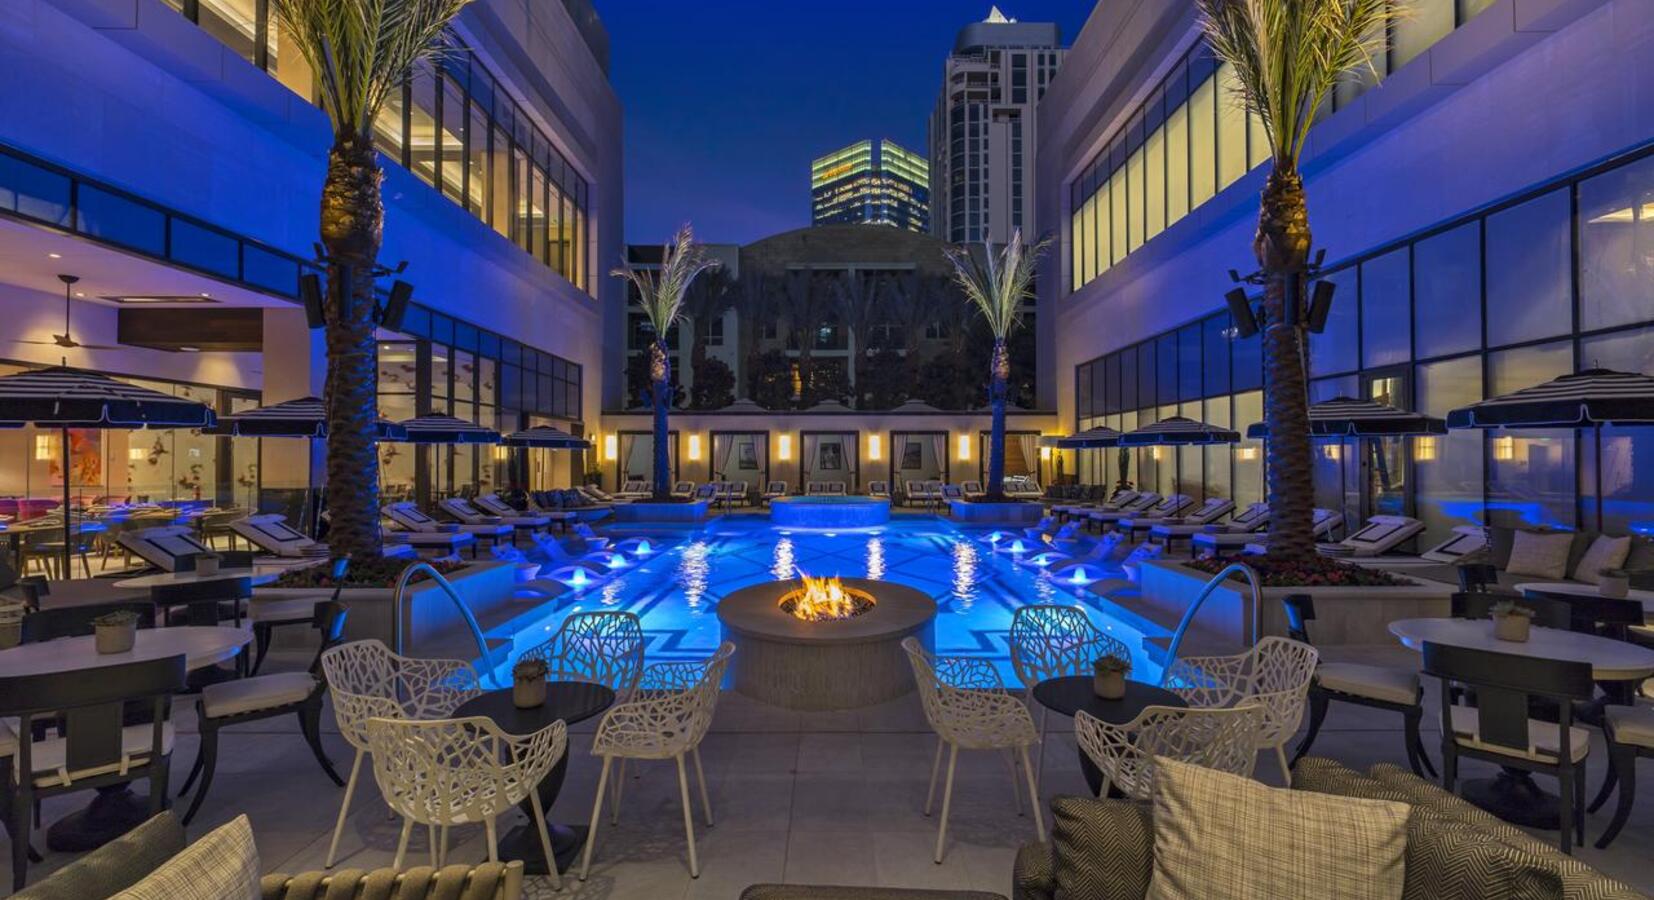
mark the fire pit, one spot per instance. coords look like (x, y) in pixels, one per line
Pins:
(824, 643)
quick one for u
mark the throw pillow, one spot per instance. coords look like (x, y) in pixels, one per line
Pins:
(1221, 835)
(1540, 554)
(221, 866)
(1605, 553)
(1101, 849)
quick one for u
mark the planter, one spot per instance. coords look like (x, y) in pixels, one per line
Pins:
(1614, 587)
(1010, 512)
(206, 565)
(1514, 628)
(528, 693)
(1109, 685)
(115, 638)
(485, 586)
(11, 624)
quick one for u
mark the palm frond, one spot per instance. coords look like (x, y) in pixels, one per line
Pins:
(363, 50)
(1288, 55)
(661, 292)
(997, 285)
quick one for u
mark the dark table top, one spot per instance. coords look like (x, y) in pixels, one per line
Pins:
(571, 701)
(1072, 693)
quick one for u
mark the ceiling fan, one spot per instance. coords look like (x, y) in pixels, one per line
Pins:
(64, 340)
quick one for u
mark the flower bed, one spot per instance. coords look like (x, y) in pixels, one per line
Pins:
(381, 573)
(1318, 571)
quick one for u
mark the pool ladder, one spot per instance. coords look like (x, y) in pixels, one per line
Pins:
(1189, 614)
(470, 620)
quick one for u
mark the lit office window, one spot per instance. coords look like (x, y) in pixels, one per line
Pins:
(1231, 127)
(1203, 142)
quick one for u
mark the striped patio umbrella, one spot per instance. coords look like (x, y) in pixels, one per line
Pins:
(1178, 430)
(442, 429)
(1091, 438)
(1594, 397)
(546, 437)
(305, 417)
(64, 398)
(1343, 417)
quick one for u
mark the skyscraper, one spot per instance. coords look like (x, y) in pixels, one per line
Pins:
(982, 130)
(871, 183)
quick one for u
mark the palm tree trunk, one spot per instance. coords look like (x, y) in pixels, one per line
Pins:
(998, 384)
(1282, 247)
(660, 375)
(353, 217)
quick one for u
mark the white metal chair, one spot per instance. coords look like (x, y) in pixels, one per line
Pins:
(967, 706)
(603, 647)
(368, 681)
(667, 721)
(450, 772)
(1275, 674)
(1221, 739)
(1050, 641)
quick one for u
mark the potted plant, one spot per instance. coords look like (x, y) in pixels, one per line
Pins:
(528, 683)
(1613, 583)
(1108, 676)
(207, 563)
(115, 632)
(1511, 622)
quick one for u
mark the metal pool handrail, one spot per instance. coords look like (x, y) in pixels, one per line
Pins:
(1189, 614)
(470, 620)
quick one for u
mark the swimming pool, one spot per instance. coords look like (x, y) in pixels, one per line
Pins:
(675, 591)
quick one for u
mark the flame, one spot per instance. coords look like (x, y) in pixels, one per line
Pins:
(823, 599)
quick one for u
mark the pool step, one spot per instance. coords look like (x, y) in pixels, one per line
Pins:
(1123, 600)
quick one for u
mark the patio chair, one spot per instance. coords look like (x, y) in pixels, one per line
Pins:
(1250, 520)
(1323, 524)
(1084, 506)
(968, 707)
(1223, 739)
(1049, 641)
(1141, 503)
(1380, 535)
(1213, 509)
(602, 647)
(494, 505)
(951, 492)
(1629, 733)
(774, 490)
(408, 517)
(708, 491)
(972, 489)
(1167, 507)
(369, 681)
(468, 514)
(1391, 688)
(683, 489)
(879, 489)
(99, 750)
(446, 772)
(268, 613)
(1498, 728)
(1275, 674)
(266, 697)
(812, 488)
(667, 720)
(1465, 540)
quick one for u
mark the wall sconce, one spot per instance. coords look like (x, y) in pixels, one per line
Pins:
(1247, 453)
(964, 447)
(502, 452)
(136, 454)
(874, 447)
(1333, 452)
(611, 447)
(1157, 452)
(1504, 448)
(1424, 448)
(1045, 454)
(42, 446)
(784, 447)
(695, 447)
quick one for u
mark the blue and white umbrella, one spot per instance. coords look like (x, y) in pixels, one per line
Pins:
(1343, 417)
(443, 429)
(1091, 438)
(546, 437)
(305, 417)
(1593, 397)
(1178, 430)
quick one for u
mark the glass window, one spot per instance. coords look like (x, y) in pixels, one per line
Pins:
(1334, 349)
(1166, 370)
(1147, 397)
(1155, 183)
(1217, 477)
(452, 135)
(1448, 468)
(1215, 372)
(1257, 142)
(203, 248)
(1428, 22)
(1089, 261)
(1384, 309)
(1188, 362)
(1528, 285)
(1246, 363)
(1082, 388)
(1134, 200)
(1117, 213)
(1248, 457)
(1448, 292)
(1177, 164)
(1626, 455)
(1531, 481)
(1202, 142)
(422, 136)
(1098, 229)
(1231, 127)
(1128, 379)
(1616, 232)
(34, 192)
(1077, 243)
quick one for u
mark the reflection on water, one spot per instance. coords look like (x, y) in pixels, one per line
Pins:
(782, 567)
(875, 559)
(965, 562)
(692, 572)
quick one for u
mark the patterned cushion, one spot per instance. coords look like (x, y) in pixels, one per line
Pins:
(1103, 849)
(1605, 553)
(1034, 876)
(221, 866)
(1220, 835)
(115, 866)
(1540, 554)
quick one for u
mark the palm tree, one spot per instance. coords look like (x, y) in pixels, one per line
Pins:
(1288, 55)
(997, 287)
(661, 294)
(361, 51)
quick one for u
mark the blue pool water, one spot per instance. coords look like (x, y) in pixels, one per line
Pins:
(675, 591)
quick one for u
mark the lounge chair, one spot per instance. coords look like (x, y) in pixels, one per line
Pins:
(1119, 499)
(271, 533)
(1380, 535)
(461, 509)
(1047, 525)
(495, 505)
(972, 489)
(1143, 502)
(934, 491)
(684, 489)
(1466, 539)
(916, 493)
(162, 545)
(775, 490)
(1023, 487)
(879, 489)
(835, 489)
(597, 495)
(557, 554)
(1210, 511)
(951, 492)
(1324, 524)
(634, 489)
(708, 491)
(1254, 518)
(812, 488)
(408, 517)
(594, 541)
(1163, 508)
(1107, 549)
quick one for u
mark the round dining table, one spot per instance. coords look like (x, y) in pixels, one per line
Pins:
(115, 809)
(1513, 795)
(1576, 589)
(1069, 694)
(570, 701)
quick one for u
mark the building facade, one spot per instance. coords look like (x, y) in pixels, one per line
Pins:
(1486, 204)
(169, 154)
(983, 131)
(871, 183)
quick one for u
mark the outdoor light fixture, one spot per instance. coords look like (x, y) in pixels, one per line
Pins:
(1504, 448)
(135, 454)
(42, 446)
(611, 447)
(502, 452)
(1424, 448)
(1320, 305)
(1247, 453)
(873, 448)
(964, 446)
(1045, 454)
(1158, 453)
(784, 447)
(1240, 309)
(1333, 452)
(695, 447)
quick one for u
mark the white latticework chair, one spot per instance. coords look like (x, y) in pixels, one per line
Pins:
(1049, 641)
(605, 647)
(368, 681)
(968, 707)
(667, 719)
(448, 772)
(1275, 673)
(1221, 739)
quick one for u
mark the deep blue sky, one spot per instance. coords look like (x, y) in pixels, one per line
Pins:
(728, 101)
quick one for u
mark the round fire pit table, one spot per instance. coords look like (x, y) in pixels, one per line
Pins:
(833, 664)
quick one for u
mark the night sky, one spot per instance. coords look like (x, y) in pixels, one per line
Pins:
(728, 101)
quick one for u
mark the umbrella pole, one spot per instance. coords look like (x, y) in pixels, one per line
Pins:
(1601, 500)
(64, 435)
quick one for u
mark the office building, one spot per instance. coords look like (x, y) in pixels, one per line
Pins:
(871, 183)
